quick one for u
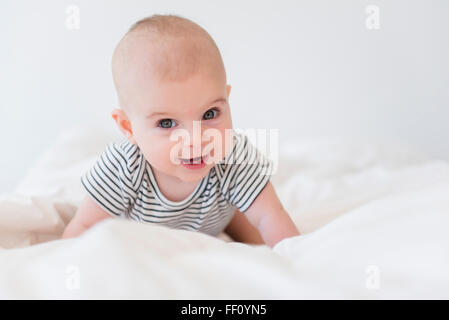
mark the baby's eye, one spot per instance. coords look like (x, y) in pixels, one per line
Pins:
(166, 123)
(210, 114)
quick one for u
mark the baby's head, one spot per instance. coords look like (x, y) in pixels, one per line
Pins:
(169, 74)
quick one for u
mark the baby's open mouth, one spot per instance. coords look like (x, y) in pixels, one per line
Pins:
(195, 160)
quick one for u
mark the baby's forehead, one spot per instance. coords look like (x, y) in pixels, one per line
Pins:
(169, 53)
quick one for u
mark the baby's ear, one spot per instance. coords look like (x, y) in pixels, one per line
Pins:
(228, 89)
(123, 123)
(118, 115)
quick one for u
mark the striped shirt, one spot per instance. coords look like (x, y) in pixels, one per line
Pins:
(123, 184)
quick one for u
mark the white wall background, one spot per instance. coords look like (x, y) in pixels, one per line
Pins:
(310, 68)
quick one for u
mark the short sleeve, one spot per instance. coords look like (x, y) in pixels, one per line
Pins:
(110, 181)
(244, 173)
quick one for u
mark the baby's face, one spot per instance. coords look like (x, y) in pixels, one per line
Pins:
(164, 108)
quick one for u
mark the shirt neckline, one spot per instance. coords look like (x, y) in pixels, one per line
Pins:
(175, 204)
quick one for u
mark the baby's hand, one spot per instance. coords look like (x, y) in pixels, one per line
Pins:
(267, 214)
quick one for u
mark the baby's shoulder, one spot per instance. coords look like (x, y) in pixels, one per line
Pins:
(128, 151)
(126, 159)
(115, 176)
(244, 172)
(243, 156)
(237, 151)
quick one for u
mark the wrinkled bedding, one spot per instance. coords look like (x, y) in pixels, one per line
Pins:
(373, 218)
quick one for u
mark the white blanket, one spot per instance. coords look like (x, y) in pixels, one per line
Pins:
(373, 218)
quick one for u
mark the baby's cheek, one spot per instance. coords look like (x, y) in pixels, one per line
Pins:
(153, 154)
(227, 145)
(216, 148)
(171, 153)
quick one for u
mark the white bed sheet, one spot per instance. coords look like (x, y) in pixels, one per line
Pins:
(373, 218)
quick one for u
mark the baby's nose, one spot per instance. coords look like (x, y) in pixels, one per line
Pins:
(194, 133)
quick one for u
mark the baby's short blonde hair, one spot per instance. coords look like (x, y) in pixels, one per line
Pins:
(175, 48)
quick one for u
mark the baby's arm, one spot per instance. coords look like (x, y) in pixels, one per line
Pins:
(268, 215)
(88, 214)
(241, 230)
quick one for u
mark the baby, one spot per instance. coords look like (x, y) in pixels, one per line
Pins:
(171, 83)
